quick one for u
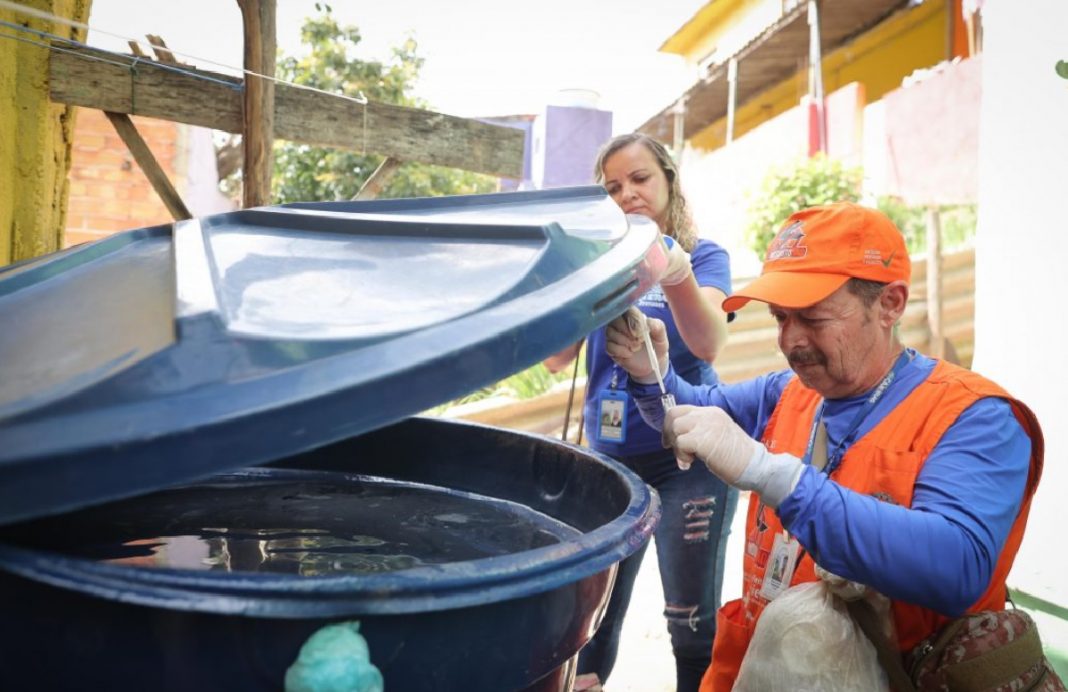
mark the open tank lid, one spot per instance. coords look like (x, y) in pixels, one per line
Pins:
(166, 354)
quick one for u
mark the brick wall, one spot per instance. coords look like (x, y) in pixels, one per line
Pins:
(108, 191)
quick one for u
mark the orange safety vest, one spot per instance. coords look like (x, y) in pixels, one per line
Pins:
(884, 463)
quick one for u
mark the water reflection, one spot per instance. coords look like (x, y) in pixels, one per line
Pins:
(300, 528)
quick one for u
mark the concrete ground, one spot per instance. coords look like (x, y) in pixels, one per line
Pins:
(645, 663)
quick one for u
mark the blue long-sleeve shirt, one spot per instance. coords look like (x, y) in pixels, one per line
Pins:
(941, 552)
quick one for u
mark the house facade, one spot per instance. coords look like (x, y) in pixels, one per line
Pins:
(897, 93)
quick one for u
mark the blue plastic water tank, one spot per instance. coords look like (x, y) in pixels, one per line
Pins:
(208, 450)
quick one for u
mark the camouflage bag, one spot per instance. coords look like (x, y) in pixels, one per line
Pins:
(990, 651)
(995, 651)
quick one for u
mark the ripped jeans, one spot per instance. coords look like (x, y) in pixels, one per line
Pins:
(691, 543)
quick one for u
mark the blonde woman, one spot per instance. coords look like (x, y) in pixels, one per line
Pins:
(641, 177)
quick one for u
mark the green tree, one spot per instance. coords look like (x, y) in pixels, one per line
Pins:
(306, 173)
(805, 183)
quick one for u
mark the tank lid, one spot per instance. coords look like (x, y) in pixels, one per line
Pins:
(166, 354)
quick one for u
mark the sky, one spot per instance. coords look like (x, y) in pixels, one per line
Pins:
(482, 58)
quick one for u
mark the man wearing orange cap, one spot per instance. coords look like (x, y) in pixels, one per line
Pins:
(904, 473)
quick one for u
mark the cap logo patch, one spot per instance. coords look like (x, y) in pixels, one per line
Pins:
(788, 243)
(874, 256)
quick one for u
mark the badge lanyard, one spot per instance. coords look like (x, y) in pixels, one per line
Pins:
(834, 458)
(784, 555)
(611, 424)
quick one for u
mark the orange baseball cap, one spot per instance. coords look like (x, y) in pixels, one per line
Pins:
(819, 249)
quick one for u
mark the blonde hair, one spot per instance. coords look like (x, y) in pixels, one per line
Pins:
(677, 219)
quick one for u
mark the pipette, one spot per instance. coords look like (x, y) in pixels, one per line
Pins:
(638, 323)
(666, 400)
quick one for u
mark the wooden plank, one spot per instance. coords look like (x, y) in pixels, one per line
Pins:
(159, 47)
(136, 86)
(139, 87)
(258, 17)
(372, 187)
(408, 134)
(934, 280)
(153, 171)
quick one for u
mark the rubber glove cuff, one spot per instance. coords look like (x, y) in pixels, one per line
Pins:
(772, 476)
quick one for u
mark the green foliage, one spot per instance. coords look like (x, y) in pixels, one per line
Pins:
(525, 384)
(306, 173)
(909, 220)
(957, 223)
(805, 183)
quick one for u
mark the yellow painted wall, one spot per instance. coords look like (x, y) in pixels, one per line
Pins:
(726, 25)
(879, 60)
(35, 136)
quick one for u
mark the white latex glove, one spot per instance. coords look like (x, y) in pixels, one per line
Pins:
(679, 267)
(625, 344)
(709, 434)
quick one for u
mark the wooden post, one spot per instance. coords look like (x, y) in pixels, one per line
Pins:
(373, 185)
(970, 28)
(152, 170)
(732, 96)
(678, 134)
(934, 283)
(258, 18)
(817, 124)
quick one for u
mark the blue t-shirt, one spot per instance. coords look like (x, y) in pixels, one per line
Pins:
(711, 267)
(941, 552)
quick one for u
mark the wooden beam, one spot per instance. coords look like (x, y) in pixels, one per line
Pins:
(153, 171)
(372, 187)
(258, 17)
(409, 134)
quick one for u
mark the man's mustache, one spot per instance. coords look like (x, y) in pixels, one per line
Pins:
(805, 358)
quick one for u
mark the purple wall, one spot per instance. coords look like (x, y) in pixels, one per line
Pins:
(565, 144)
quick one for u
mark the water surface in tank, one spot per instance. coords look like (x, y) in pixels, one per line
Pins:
(326, 526)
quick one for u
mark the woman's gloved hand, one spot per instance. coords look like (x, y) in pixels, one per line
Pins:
(625, 344)
(679, 267)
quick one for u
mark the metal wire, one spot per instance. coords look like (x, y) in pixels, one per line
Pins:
(48, 16)
(130, 61)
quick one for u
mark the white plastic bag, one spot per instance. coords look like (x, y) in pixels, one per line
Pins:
(805, 640)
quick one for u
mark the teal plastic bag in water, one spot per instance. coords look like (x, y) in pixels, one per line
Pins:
(334, 659)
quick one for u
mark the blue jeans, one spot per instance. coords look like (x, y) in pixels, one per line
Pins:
(691, 543)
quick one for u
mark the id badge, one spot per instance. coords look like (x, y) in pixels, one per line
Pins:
(612, 416)
(780, 567)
